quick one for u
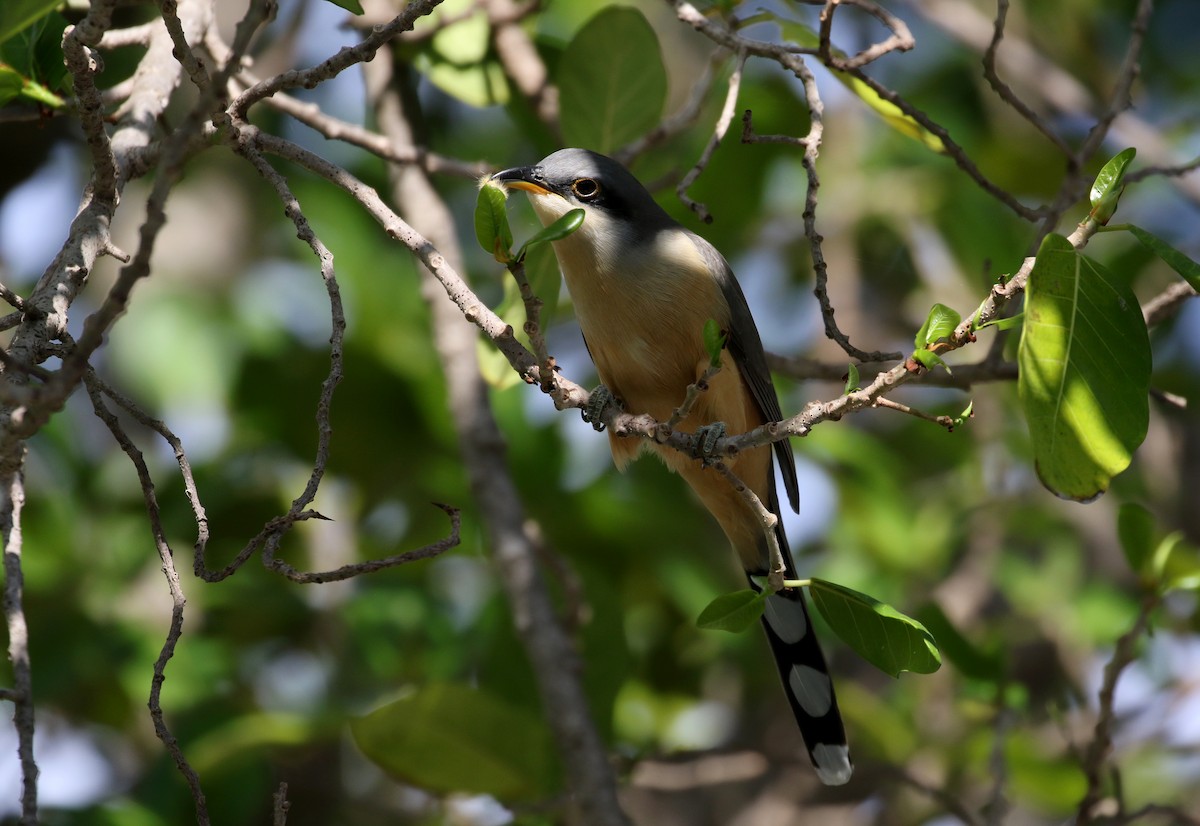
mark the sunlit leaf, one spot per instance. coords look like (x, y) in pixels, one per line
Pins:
(449, 737)
(929, 359)
(733, 612)
(880, 634)
(939, 324)
(612, 82)
(1084, 371)
(556, 231)
(1003, 323)
(491, 223)
(1106, 190)
(457, 58)
(851, 379)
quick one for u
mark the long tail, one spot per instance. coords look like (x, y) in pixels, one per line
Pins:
(805, 676)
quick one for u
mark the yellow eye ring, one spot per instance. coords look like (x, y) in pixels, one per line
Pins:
(585, 188)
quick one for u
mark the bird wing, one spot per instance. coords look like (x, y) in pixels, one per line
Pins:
(747, 349)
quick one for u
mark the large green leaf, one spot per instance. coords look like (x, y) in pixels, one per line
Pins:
(449, 737)
(1085, 371)
(880, 634)
(16, 15)
(611, 80)
(457, 59)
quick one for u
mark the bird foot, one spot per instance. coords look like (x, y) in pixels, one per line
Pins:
(598, 403)
(707, 437)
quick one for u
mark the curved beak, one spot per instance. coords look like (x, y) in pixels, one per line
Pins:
(527, 178)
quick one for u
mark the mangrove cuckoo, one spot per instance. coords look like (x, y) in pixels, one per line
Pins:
(643, 287)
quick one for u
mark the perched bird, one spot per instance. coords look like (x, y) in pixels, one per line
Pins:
(643, 287)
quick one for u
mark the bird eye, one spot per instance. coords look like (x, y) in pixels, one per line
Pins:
(585, 189)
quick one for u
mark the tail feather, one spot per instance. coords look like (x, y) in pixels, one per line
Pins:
(807, 684)
(801, 663)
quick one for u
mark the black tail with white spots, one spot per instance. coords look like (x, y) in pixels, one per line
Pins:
(805, 676)
(807, 685)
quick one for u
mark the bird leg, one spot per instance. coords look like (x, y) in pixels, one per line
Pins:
(599, 400)
(707, 437)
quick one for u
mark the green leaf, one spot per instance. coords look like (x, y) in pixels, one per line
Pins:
(1181, 564)
(851, 379)
(17, 15)
(1176, 260)
(458, 59)
(966, 656)
(612, 82)
(890, 113)
(929, 359)
(1002, 323)
(1085, 365)
(11, 84)
(352, 6)
(714, 341)
(449, 737)
(939, 324)
(491, 223)
(1135, 530)
(883, 636)
(1106, 190)
(733, 612)
(558, 230)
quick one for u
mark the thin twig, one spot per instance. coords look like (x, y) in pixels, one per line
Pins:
(766, 520)
(21, 694)
(96, 392)
(1005, 91)
(722, 126)
(942, 420)
(1099, 749)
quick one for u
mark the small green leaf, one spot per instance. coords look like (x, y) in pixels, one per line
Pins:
(1084, 378)
(491, 223)
(558, 230)
(11, 84)
(851, 379)
(1135, 530)
(714, 342)
(1176, 260)
(939, 324)
(733, 612)
(929, 359)
(451, 738)
(1106, 190)
(1181, 564)
(967, 413)
(883, 636)
(1002, 323)
(612, 81)
(352, 6)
